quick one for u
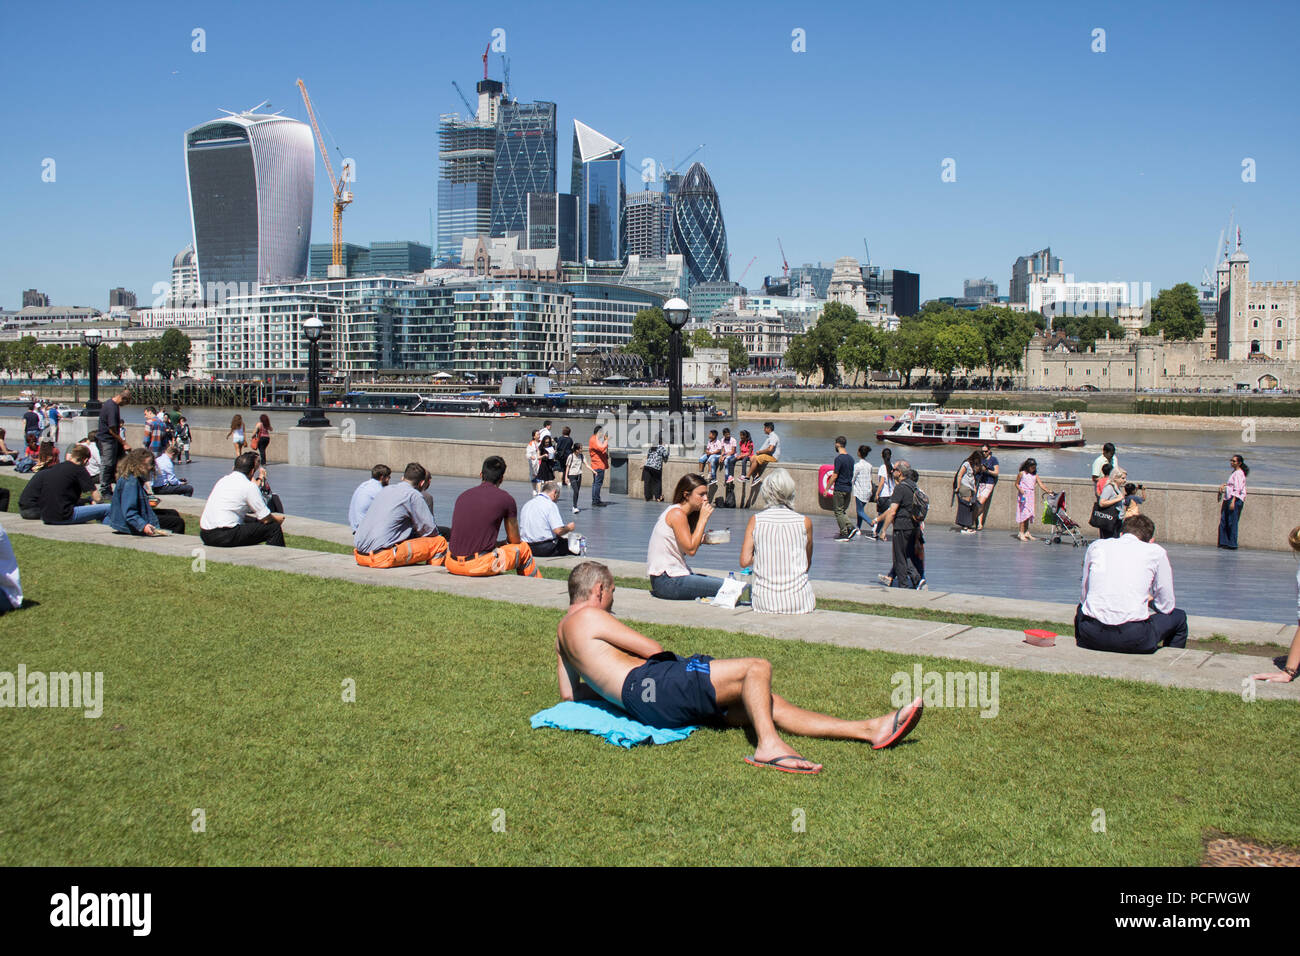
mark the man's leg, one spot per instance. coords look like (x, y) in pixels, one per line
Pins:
(598, 479)
(170, 520)
(549, 548)
(84, 513)
(840, 500)
(518, 557)
(904, 545)
(1171, 628)
(108, 465)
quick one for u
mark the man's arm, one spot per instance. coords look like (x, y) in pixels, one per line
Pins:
(615, 632)
(512, 529)
(422, 517)
(888, 521)
(1162, 588)
(570, 681)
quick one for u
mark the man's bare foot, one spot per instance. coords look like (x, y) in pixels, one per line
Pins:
(767, 753)
(890, 729)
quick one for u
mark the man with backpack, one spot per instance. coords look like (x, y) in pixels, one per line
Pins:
(908, 507)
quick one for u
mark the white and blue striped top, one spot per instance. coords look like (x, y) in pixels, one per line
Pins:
(781, 584)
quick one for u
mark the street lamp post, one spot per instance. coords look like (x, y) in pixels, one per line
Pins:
(677, 312)
(313, 329)
(92, 338)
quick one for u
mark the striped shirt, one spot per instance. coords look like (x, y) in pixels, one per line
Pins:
(781, 584)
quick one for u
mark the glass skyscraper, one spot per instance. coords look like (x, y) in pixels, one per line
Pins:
(699, 234)
(467, 149)
(598, 182)
(525, 163)
(250, 179)
(553, 224)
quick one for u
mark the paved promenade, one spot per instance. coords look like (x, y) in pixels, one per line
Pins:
(1204, 670)
(1247, 584)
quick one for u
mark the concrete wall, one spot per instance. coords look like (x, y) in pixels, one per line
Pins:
(1183, 514)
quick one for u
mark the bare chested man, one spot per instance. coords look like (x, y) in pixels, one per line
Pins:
(599, 657)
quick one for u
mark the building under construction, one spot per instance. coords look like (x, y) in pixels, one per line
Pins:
(467, 149)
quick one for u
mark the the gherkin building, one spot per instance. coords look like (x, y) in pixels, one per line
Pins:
(699, 234)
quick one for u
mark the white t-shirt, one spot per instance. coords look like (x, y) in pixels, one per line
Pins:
(93, 465)
(233, 497)
(886, 482)
(772, 446)
(538, 519)
(664, 556)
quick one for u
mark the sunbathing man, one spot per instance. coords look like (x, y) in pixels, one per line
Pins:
(601, 658)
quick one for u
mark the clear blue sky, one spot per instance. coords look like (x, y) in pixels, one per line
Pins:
(1126, 162)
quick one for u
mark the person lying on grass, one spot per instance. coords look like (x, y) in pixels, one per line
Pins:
(600, 658)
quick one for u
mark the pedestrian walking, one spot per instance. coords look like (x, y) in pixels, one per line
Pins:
(236, 434)
(545, 461)
(863, 490)
(1234, 501)
(262, 436)
(842, 492)
(573, 472)
(532, 453)
(963, 490)
(884, 489)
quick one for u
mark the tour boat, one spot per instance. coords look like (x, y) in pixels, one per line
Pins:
(925, 423)
(464, 405)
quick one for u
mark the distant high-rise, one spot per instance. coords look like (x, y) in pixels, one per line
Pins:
(33, 297)
(185, 281)
(250, 181)
(525, 163)
(649, 217)
(552, 223)
(985, 289)
(1040, 266)
(598, 182)
(380, 259)
(699, 234)
(467, 152)
(121, 298)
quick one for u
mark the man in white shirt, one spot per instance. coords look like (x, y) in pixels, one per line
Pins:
(769, 453)
(1107, 456)
(540, 525)
(236, 515)
(365, 494)
(1120, 576)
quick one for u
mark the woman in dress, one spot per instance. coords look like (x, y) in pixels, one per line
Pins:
(778, 545)
(1234, 500)
(652, 472)
(545, 461)
(963, 490)
(533, 452)
(680, 532)
(236, 434)
(1026, 481)
(262, 436)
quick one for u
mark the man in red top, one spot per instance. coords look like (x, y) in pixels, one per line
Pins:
(598, 447)
(475, 522)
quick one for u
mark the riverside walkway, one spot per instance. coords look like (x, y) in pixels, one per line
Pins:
(1197, 669)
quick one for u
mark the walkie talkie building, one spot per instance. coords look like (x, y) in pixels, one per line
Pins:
(250, 178)
(699, 235)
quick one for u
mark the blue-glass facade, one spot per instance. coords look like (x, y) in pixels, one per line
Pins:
(553, 224)
(525, 163)
(467, 153)
(603, 313)
(699, 234)
(598, 181)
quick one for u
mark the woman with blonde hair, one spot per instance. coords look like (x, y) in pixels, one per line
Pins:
(132, 511)
(236, 434)
(778, 545)
(1289, 665)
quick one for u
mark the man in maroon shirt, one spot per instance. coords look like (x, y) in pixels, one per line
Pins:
(475, 522)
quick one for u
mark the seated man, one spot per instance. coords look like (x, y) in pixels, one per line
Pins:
(53, 494)
(365, 494)
(602, 658)
(475, 522)
(398, 528)
(540, 525)
(712, 452)
(769, 453)
(235, 514)
(1120, 576)
(165, 481)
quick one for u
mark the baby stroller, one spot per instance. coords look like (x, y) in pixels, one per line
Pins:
(1058, 519)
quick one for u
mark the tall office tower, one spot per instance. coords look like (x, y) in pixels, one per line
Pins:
(356, 259)
(185, 281)
(985, 289)
(598, 182)
(552, 223)
(250, 180)
(467, 149)
(32, 297)
(399, 258)
(525, 163)
(120, 298)
(1040, 266)
(649, 217)
(699, 233)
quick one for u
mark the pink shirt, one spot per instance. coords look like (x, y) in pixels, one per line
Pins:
(1236, 485)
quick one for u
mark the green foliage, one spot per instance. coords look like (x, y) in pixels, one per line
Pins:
(799, 357)
(863, 350)
(957, 347)
(1005, 333)
(1177, 313)
(1087, 329)
(116, 360)
(173, 353)
(650, 332)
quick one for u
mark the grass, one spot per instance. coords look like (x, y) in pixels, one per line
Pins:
(223, 692)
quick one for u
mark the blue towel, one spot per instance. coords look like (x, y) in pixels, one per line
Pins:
(605, 720)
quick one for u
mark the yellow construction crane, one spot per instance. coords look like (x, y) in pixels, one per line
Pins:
(341, 196)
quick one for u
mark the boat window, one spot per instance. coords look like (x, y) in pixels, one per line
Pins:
(1013, 428)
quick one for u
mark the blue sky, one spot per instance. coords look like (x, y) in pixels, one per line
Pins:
(1126, 162)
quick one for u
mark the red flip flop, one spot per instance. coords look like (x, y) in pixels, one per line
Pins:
(775, 764)
(901, 730)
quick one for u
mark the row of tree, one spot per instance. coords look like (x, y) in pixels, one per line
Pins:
(167, 355)
(650, 332)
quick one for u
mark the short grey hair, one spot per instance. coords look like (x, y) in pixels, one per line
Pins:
(550, 486)
(584, 578)
(778, 488)
(902, 465)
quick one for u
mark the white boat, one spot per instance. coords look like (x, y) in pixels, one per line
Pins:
(465, 405)
(925, 423)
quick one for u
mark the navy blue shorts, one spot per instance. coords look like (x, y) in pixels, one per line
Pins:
(671, 691)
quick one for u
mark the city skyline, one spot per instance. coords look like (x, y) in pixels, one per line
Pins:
(1126, 162)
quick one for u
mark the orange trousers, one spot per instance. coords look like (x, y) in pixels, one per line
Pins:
(516, 557)
(432, 550)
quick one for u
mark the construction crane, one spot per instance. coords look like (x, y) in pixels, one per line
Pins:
(785, 266)
(341, 196)
(868, 251)
(464, 99)
(1208, 280)
(505, 76)
(741, 280)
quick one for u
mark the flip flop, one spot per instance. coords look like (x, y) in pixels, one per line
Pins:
(775, 764)
(902, 730)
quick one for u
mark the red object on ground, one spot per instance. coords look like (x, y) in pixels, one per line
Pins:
(1040, 638)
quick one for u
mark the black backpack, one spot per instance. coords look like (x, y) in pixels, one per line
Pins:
(920, 503)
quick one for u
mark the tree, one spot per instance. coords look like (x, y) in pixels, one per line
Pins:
(826, 337)
(1177, 313)
(116, 360)
(958, 347)
(1087, 329)
(909, 347)
(173, 353)
(799, 357)
(863, 350)
(649, 342)
(737, 354)
(1006, 334)
(703, 339)
(73, 361)
(25, 355)
(144, 357)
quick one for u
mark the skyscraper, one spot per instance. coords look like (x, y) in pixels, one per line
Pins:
(553, 224)
(649, 218)
(1040, 266)
(598, 182)
(699, 233)
(184, 292)
(525, 163)
(467, 152)
(250, 179)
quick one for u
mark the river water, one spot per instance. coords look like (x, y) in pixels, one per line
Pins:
(1148, 454)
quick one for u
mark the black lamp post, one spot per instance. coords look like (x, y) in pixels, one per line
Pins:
(677, 312)
(92, 338)
(313, 329)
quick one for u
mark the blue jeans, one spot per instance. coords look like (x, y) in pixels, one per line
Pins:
(710, 462)
(729, 465)
(1228, 522)
(83, 513)
(597, 479)
(685, 588)
(862, 512)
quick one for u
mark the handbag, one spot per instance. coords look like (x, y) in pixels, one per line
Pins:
(1105, 520)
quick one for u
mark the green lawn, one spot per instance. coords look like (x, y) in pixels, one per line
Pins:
(223, 692)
